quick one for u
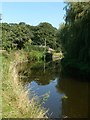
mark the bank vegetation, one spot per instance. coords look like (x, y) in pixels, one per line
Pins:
(15, 101)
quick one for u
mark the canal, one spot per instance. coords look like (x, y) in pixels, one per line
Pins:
(65, 97)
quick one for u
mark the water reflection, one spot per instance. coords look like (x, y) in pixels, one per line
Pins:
(39, 73)
(76, 104)
(68, 97)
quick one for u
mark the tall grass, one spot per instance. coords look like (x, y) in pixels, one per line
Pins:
(15, 102)
(0, 86)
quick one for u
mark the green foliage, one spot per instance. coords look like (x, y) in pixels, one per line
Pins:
(42, 32)
(35, 55)
(19, 36)
(14, 36)
(74, 35)
(29, 48)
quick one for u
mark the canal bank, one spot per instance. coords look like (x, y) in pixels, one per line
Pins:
(15, 102)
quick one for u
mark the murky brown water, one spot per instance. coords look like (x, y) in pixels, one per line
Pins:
(68, 97)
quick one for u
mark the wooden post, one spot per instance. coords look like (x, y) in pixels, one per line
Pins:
(44, 55)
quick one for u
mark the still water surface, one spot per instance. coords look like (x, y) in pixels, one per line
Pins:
(68, 97)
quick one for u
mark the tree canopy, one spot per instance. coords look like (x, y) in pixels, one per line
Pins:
(16, 36)
(74, 35)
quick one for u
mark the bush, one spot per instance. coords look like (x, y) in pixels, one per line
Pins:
(35, 55)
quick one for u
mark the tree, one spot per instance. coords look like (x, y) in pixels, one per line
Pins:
(18, 36)
(45, 31)
(74, 35)
(14, 36)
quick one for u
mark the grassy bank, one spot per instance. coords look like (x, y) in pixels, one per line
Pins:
(15, 102)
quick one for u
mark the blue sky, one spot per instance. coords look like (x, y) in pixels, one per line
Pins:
(33, 12)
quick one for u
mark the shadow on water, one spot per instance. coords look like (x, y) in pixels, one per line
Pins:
(68, 96)
(76, 104)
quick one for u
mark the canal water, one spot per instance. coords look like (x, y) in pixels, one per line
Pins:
(65, 97)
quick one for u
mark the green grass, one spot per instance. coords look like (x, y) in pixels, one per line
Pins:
(15, 102)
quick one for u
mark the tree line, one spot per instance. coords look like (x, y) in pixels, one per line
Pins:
(17, 36)
(74, 37)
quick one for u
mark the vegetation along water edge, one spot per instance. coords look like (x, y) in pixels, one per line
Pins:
(15, 101)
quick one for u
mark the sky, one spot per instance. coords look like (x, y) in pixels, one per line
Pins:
(33, 13)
